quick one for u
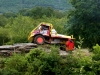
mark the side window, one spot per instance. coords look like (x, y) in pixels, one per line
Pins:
(44, 30)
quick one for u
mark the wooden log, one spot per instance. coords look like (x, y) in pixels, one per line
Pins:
(16, 48)
(26, 44)
(7, 47)
(5, 52)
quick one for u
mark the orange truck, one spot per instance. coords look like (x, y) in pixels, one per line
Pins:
(45, 33)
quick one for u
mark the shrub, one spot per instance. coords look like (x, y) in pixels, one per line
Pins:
(42, 63)
(96, 52)
(77, 63)
(15, 65)
(96, 67)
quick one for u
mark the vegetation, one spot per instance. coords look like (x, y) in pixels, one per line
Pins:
(10, 6)
(15, 29)
(4, 36)
(83, 21)
(80, 22)
(39, 62)
(39, 12)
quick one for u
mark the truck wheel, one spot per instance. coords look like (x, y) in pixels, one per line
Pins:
(39, 39)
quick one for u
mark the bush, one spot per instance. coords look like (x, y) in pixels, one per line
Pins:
(96, 67)
(15, 65)
(39, 62)
(78, 62)
(42, 63)
(96, 52)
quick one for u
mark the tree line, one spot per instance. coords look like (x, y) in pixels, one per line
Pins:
(14, 6)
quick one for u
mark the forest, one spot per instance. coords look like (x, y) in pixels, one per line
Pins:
(12, 6)
(82, 21)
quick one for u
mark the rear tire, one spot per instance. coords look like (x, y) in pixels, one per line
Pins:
(39, 39)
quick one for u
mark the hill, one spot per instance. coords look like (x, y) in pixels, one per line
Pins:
(16, 5)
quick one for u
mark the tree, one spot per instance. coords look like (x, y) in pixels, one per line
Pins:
(8, 15)
(4, 36)
(39, 12)
(3, 21)
(19, 28)
(84, 21)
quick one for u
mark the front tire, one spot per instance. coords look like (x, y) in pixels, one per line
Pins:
(39, 39)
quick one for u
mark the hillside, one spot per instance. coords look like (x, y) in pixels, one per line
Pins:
(16, 5)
